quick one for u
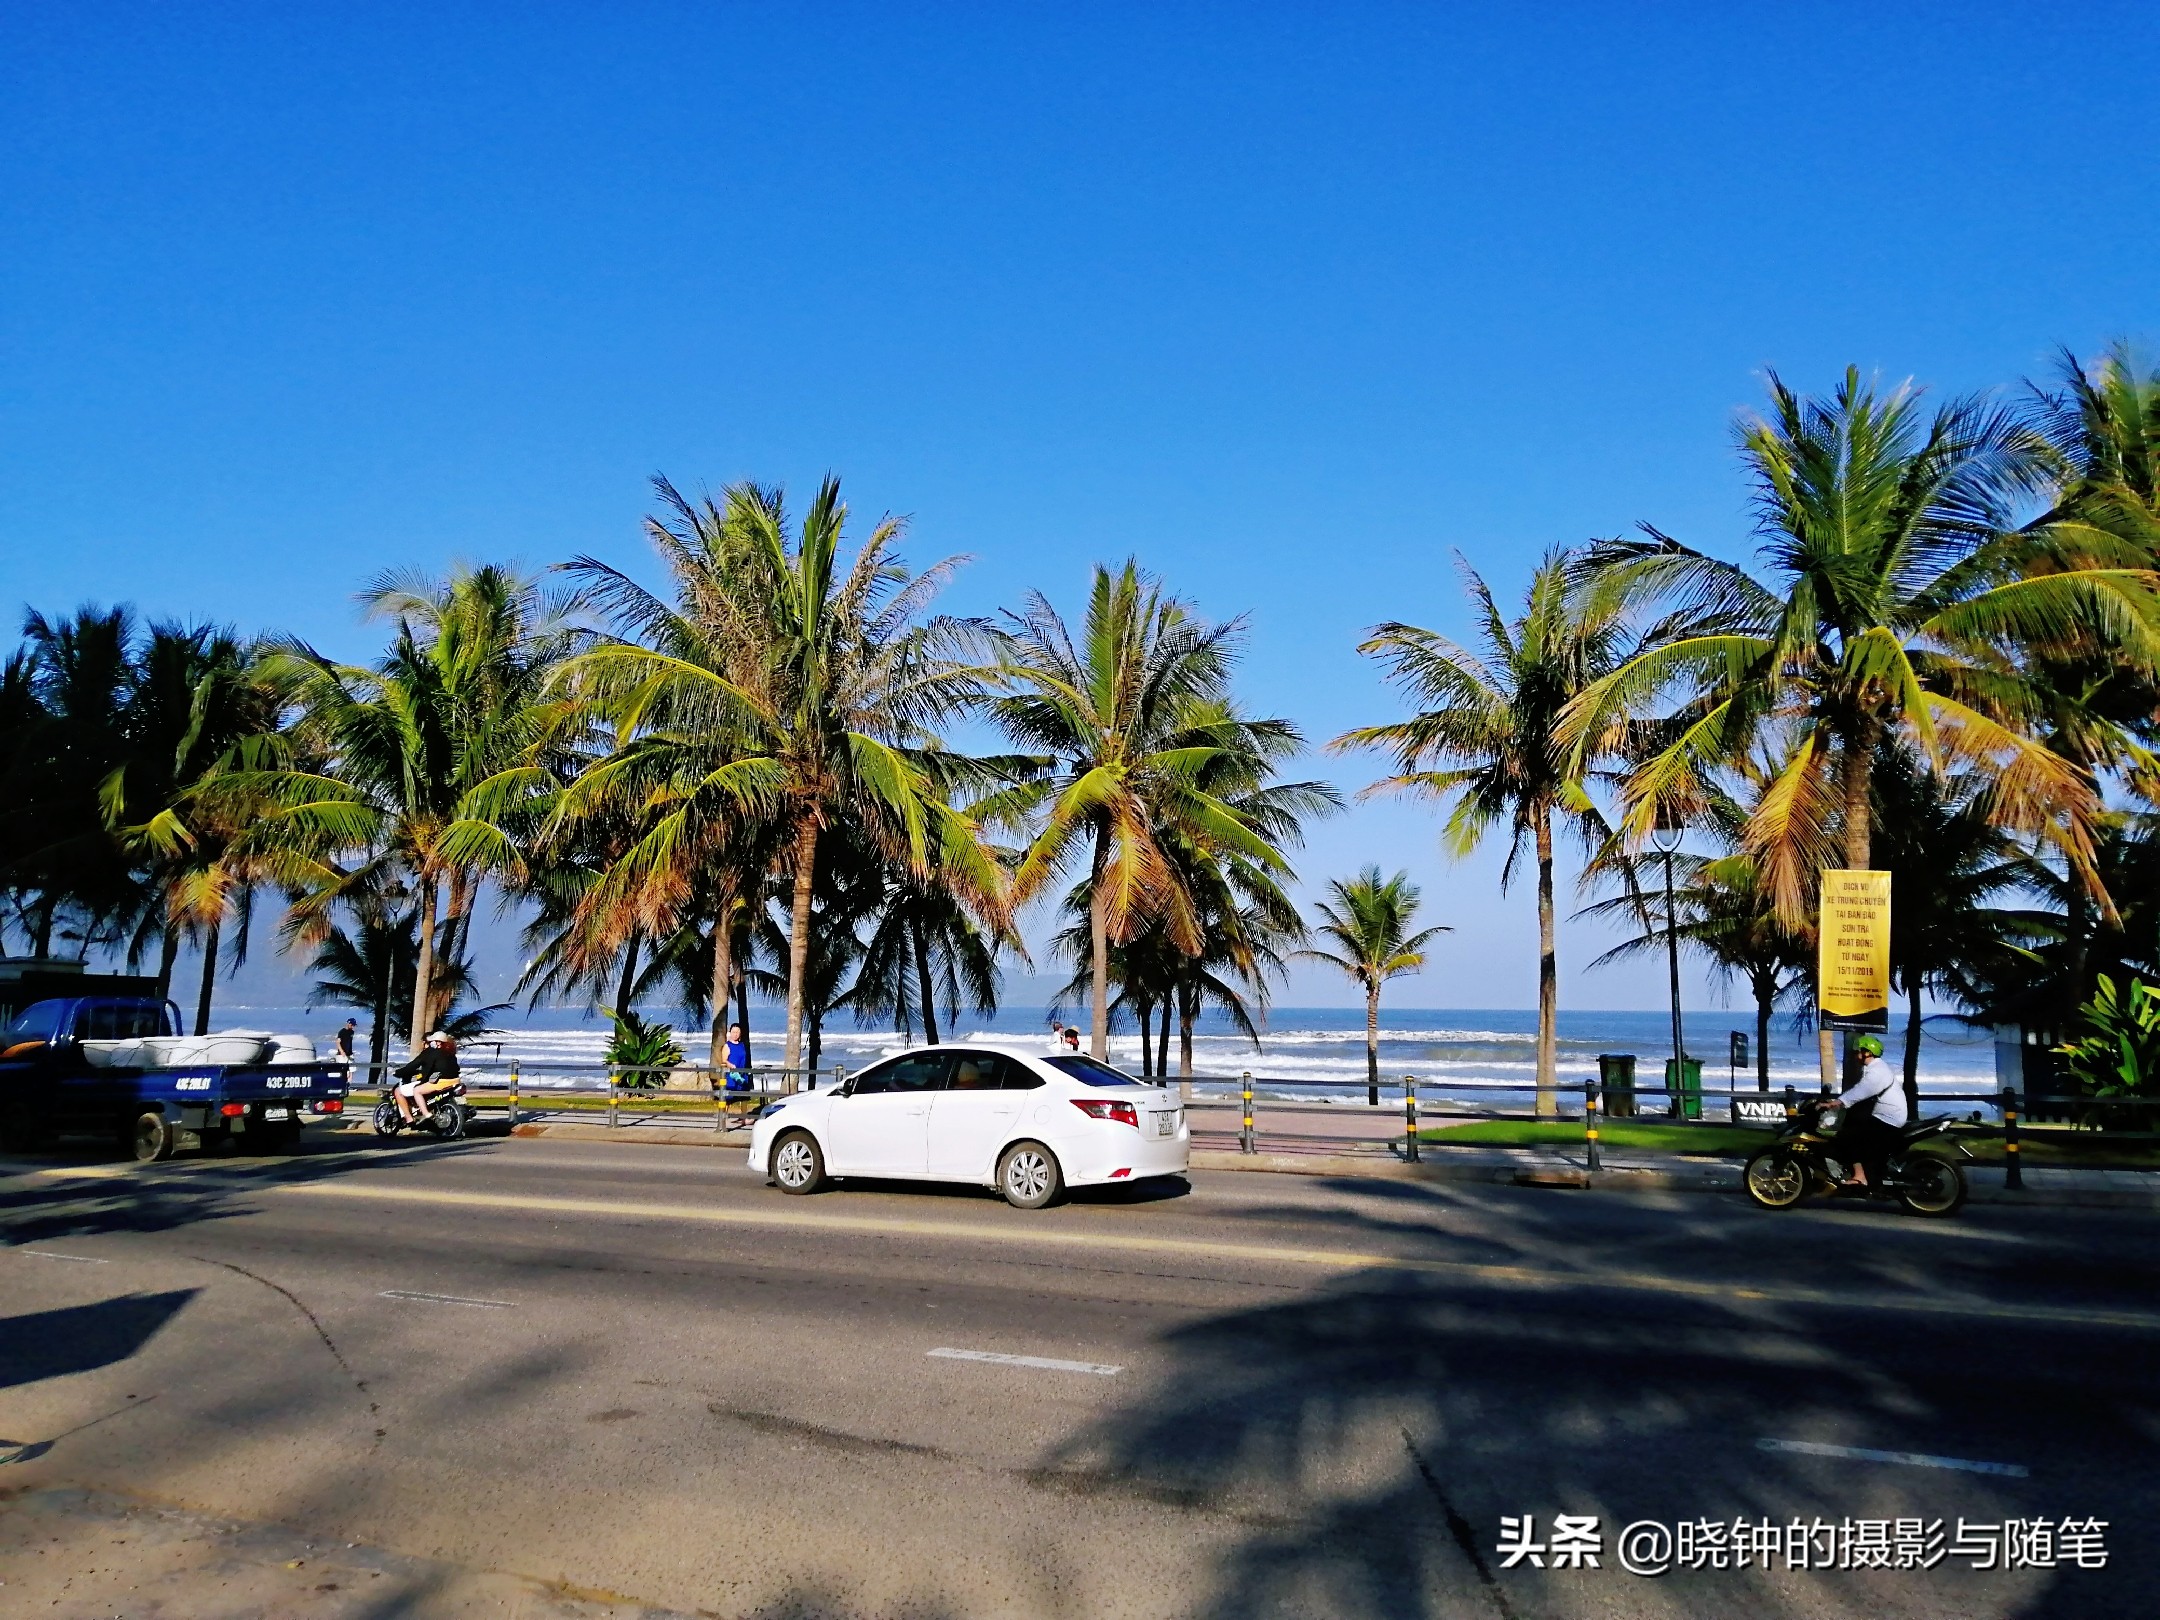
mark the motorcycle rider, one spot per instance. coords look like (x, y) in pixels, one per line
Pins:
(1875, 1115)
(435, 1061)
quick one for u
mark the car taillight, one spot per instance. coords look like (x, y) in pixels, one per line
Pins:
(232, 1110)
(1124, 1113)
(335, 1105)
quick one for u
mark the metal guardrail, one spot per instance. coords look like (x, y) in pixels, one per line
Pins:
(526, 1087)
(530, 1088)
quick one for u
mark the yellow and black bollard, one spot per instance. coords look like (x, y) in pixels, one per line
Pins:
(1410, 1137)
(2013, 1165)
(513, 1093)
(1589, 1114)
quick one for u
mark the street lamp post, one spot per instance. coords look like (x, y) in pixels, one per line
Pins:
(1666, 839)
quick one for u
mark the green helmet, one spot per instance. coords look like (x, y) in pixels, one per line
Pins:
(1869, 1044)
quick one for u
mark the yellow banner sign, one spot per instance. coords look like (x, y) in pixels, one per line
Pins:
(1854, 964)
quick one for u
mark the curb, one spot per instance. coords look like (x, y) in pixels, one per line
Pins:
(1705, 1178)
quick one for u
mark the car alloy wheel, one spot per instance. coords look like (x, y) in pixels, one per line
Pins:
(796, 1164)
(1028, 1177)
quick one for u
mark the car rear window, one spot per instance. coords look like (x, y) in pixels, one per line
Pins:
(1090, 1073)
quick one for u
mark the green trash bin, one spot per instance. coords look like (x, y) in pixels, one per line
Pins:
(1687, 1096)
(1616, 1082)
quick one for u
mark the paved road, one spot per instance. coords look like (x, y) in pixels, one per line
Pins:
(530, 1377)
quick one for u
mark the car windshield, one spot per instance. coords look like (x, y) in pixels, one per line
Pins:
(1090, 1073)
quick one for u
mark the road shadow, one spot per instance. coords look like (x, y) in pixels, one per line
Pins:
(1375, 1431)
(40, 1199)
(80, 1338)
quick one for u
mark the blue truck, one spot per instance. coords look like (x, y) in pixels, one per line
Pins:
(86, 1066)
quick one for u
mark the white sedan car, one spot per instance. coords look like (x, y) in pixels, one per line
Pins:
(1028, 1125)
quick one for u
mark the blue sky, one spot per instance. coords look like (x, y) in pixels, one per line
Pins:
(1291, 302)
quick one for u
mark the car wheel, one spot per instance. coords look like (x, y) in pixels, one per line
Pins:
(1028, 1176)
(151, 1139)
(797, 1165)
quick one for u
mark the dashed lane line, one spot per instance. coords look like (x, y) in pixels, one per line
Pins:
(1042, 1363)
(1908, 1459)
(52, 1254)
(420, 1298)
(1100, 1241)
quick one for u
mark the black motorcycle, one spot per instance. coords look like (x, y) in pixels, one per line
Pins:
(443, 1111)
(1805, 1159)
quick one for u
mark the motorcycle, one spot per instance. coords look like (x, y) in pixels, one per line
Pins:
(1804, 1159)
(442, 1111)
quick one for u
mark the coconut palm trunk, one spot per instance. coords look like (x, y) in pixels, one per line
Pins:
(723, 978)
(1372, 1044)
(1099, 951)
(424, 969)
(1162, 1044)
(1188, 1011)
(209, 975)
(626, 981)
(168, 950)
(1912, 1047)
(1765, 996)
(806, 841)
(1548, 985)
(924, 988)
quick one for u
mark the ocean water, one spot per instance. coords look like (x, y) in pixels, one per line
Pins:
(1299, 1046)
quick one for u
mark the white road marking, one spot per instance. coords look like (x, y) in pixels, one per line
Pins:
(1910, 1459)
(1047, 1363)
(446, 1299)
(48, 1254)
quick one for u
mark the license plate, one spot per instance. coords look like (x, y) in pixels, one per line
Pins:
(1166, 1124)
(277, 1113)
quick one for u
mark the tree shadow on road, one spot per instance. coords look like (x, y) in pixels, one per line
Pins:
(1386, 1422)
(80, 1338)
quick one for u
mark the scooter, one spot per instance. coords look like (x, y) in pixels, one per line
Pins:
(1804, 1159)
(441, 1112)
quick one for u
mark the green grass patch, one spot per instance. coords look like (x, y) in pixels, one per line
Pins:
(1621, 1135)
(2040, 1146)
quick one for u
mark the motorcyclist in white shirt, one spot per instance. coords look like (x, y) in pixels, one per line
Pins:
(1875, 1114)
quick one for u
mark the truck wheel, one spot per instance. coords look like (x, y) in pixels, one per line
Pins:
(151, 1138)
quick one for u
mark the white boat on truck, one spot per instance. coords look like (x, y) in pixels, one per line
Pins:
(118, 1067)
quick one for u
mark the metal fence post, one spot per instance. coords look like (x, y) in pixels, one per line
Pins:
(1792, 1102)
(839, 1075)
(1246, 1141)
(1410, 1137)
(1589, 1114)
(2013, 1164)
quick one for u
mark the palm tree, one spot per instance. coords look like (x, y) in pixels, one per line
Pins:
(68, 697)
(197, 695)
(1487, 738)
(1891, 578)
(1135, 719)
(432, 754)
(372, 968)
(2101, 426)
(816, 688)
(1367, 918)
(1954, 867)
